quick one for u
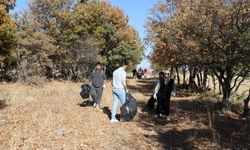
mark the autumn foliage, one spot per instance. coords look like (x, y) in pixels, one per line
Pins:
(207, 36)
(63, 39)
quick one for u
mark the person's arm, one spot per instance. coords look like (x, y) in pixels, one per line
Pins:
(124, 81)
(157, 88)
(91, 77)
(174, 90)
(105, 80)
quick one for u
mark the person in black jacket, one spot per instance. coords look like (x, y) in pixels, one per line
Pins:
(134, 71)
(162, 93)
(152, 99)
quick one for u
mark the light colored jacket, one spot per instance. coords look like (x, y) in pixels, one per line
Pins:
(119, 79)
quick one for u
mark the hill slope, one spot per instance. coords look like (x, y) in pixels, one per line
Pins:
(49, 117)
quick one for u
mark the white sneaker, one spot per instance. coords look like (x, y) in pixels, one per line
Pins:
(114, 121)
(97, 106)
(168, 118)
(163, 116)
(94, 105)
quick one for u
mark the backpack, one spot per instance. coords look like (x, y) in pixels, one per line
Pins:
(85, 91)
(129, 108)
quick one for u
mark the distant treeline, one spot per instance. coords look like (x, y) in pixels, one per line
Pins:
(63, 39)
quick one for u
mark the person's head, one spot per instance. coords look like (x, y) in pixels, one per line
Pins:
(124, 64)
(167, 73)
(98, 65)
(161, 75)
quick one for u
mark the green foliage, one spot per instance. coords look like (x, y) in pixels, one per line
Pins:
(7, 38)
(115, 38)
(66, 38)
(7, 28)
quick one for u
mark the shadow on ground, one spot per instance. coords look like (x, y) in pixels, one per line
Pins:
(143, 86)
(195, 124)
(3, 104)
(86, 103)
(107, 111)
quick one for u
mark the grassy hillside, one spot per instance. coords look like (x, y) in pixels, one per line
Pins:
(49, 117)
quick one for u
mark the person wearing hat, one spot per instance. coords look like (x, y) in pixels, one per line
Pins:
(98, 78)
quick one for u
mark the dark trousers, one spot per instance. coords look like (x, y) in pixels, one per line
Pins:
(163, 106)
(96, 94)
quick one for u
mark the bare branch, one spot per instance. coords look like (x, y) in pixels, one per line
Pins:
(237, 87)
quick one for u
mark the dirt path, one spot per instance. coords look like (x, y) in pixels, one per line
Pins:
(49, 117)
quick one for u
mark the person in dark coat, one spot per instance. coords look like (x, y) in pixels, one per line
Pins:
(134, 73)
(152, 100)
(162, 93)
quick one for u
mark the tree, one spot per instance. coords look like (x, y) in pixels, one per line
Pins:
(115, 38)
(7, 37)
(222, 32)
(78, 34)
(54, 17)
(33, 48)
(212, 35)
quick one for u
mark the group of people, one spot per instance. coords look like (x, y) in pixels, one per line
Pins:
(162, 92)
(119, 87)
(139, 73)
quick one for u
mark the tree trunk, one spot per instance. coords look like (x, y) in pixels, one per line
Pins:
(191, 78)
(220, 90)
(204, 82)
(199, 81)
(178, 76)
(192, 83)
(246, 101)
(184, 74)
(214, 84)
(172, 71)
(226, 94)
(201, 77)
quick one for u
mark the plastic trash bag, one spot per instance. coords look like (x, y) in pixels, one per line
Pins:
(129, 108)
(85, 93)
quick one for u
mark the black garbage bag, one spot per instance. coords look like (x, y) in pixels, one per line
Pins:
(151, 102)
(85, 91)
(86, 103)
(139, 75)
(129, 108)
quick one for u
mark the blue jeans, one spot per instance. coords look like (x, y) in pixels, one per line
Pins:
(118, 95)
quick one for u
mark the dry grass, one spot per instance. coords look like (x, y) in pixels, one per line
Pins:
(49, 117)
(36, 115)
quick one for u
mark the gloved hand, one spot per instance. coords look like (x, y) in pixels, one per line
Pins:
(104, 86)
(155, 97)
